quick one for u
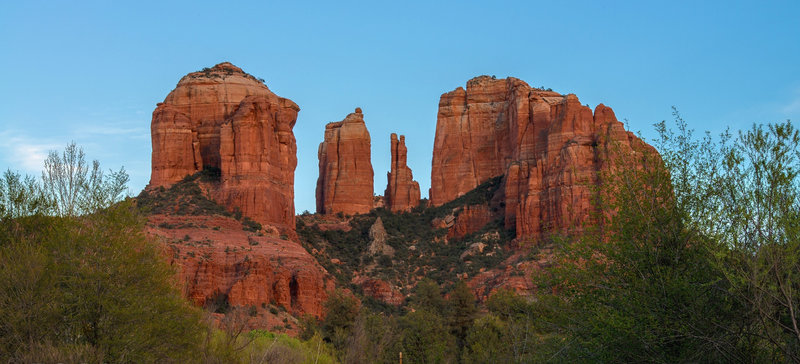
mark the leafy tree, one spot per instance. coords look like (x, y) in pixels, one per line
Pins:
(428, 296)
(373, 339)
(486, 342)
(643, 285)
(426, 339)
(758, 218)
(20, 196)
(462, 311)
(85, 285)
(341, 310)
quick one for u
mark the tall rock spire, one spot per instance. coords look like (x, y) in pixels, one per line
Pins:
(345, 182)
(402, 192)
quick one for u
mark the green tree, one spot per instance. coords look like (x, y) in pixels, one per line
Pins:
(426, 339)
(85, 285)
(341, 310)
(20, 196)
(428, 296)
(462, 310)
(374, 338)
(758, 218)
(486, 342)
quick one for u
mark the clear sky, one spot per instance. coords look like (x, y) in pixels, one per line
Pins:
(92, 72)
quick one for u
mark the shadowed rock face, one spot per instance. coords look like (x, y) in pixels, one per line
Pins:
(224, 118)
(402, 192)
(549, 147)
(345, 181)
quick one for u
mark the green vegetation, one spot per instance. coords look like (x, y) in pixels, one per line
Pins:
(80, 282)
(182, 198)
(78, 279)
(187, 198)
(420, 248)
(699, 262)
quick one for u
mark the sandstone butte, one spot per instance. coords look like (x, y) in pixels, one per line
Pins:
(402, 192)
(549, 147)
(345, 182)
(223, 118)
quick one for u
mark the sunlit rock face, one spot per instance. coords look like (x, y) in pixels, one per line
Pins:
(549, 147)
(220, 262)
(402, 192)
(345, 181)
(224, 119)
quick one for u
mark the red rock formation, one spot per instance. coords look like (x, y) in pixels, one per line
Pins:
(345, 181)
(402, 192)
(472, 141)
(258, 156)
(381, 290)
(549, 147)
(218, 259)
(221, 117)
(176, 147)
(469, 220)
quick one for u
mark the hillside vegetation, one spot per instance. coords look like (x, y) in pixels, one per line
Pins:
(420, 249)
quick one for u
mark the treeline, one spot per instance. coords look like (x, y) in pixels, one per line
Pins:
(433, 328)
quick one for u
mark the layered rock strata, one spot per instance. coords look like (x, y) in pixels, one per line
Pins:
(222, 118)
(345, 182)
(549, 147)
(402, 192)
(223, 264)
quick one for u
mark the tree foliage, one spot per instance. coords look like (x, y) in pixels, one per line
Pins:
(696, 256)
(79, 281)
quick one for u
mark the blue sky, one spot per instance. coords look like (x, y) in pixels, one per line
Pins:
(92, 72)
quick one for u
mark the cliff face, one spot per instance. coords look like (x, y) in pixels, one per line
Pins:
(549, 147)
(258, 155)
(473, 138)
(223, 118)
(402, 192)
(345, 181)
(223, 263)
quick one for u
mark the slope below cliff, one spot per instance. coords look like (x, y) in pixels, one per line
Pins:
(225, 260)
